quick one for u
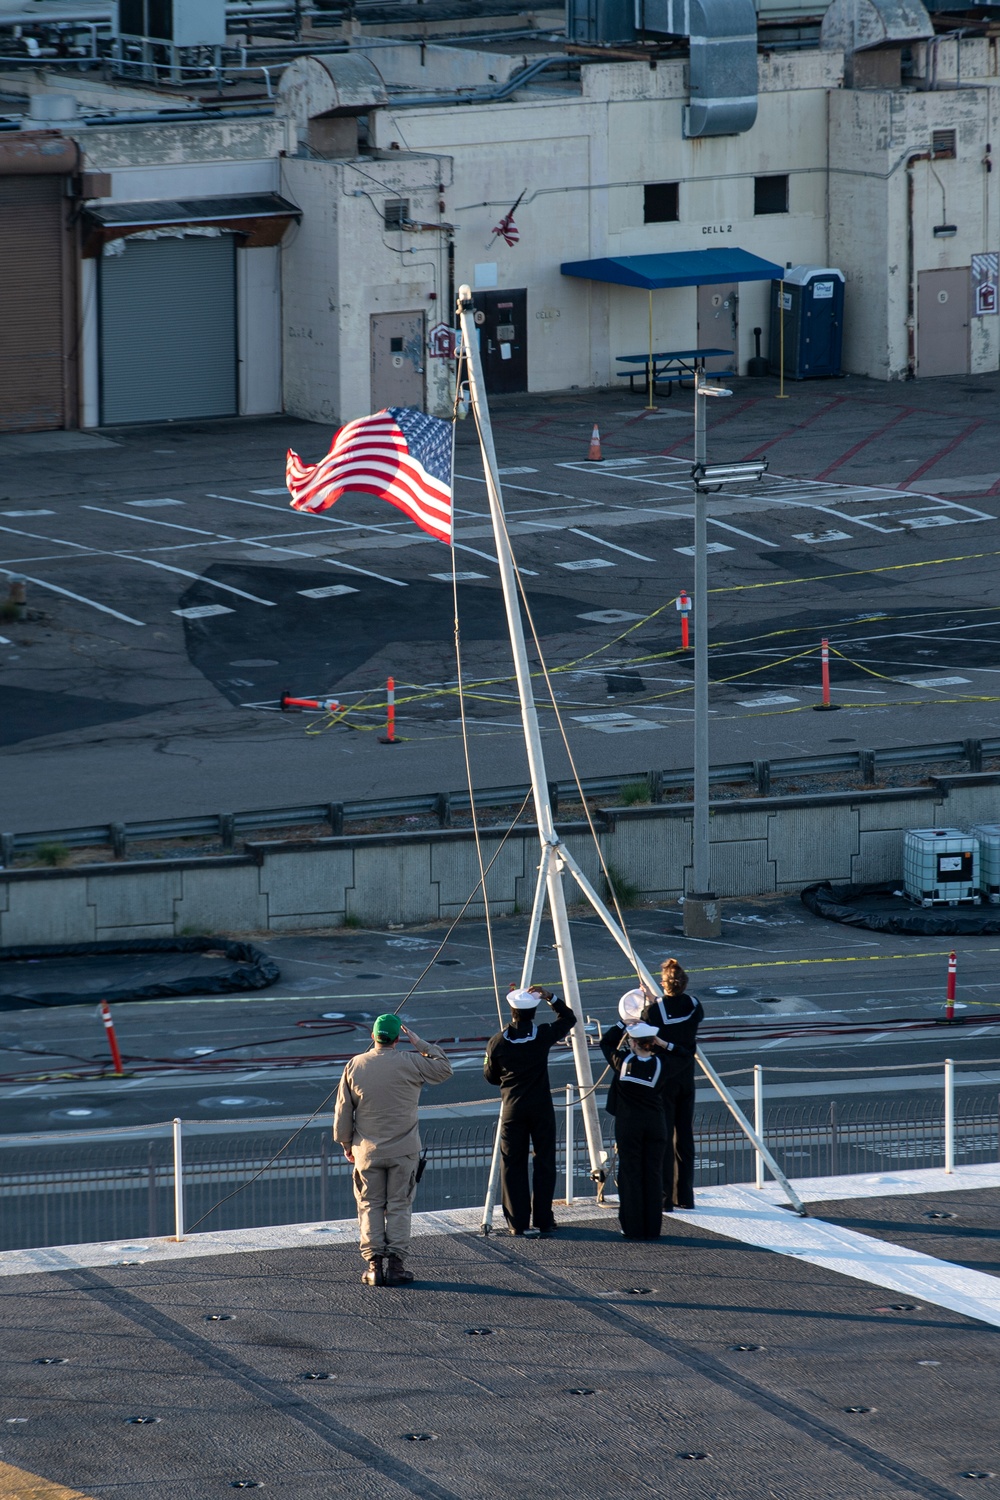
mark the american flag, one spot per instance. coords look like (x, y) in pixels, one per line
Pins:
(399, 454)
(507, 229)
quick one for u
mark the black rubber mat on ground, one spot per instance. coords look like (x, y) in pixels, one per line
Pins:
(882, 909)
(135, 969)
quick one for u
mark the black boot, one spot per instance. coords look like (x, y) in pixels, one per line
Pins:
(374, 1275)
(397, 1274)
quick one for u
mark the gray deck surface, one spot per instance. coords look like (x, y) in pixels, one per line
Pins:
(660, 1363)
(970, 1236)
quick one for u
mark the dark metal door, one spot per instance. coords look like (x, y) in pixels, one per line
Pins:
(718, 323)
(397, 359)
(168, 330)
(503, 340)
(34, 369)
(943, 322)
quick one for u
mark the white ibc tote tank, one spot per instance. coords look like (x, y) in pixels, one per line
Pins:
(988, 835)
(940, 865)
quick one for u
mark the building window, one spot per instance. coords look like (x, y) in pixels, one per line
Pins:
(943, 143)
(660, 204)
(396, 212)
(770, 195)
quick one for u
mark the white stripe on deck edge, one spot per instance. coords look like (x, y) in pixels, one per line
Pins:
(738, 1213)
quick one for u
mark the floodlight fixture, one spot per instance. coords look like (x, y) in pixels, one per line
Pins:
(711, 477)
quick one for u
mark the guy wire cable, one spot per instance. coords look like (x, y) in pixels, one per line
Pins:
(569, 754)
(323, 1102)
(461, 708)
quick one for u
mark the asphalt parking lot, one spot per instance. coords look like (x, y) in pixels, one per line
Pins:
(779, 989)
(176, 596)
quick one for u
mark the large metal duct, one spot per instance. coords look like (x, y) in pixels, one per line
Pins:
(722, 84)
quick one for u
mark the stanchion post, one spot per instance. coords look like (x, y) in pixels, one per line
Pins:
(949, 1009)
(389, 738)
(178, 1182)
(570, 1150)
(758, 1119)
(109, 1027)
(684, 607)
(781, 340)
(949, 1115)
(825, 705)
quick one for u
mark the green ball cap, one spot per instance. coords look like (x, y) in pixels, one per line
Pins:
(387, 1028)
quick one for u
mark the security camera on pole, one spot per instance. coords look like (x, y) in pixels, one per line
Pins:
(702, 915)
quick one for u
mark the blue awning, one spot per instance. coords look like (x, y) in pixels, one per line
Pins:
(678, 268)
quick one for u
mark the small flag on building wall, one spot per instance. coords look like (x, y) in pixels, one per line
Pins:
(507, 229)
(399, 454)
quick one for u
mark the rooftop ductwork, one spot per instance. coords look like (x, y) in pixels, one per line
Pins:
(722, 83)
(853, 25)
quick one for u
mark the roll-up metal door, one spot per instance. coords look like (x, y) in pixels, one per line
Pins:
(33, 375)
(168, 330)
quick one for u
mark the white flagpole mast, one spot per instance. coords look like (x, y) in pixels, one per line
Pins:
(555, 858)
(532, 739)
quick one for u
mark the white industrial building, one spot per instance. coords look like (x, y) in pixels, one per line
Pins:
(297, 246)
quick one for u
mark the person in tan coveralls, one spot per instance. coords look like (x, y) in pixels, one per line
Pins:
(375, 1121)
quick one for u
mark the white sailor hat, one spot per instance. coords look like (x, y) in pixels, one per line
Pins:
(640, 1029)
(631, 1005)
(522, 1000)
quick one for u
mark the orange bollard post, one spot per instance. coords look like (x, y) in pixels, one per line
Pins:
(826, 705)
(684, 606)
(594, 456)
(109, 1026)
(389, 738)
(949, 1009)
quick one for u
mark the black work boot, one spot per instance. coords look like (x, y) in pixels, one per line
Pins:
(397, 1274)
(374, 1276)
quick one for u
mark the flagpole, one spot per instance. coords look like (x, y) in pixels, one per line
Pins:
(533, 740)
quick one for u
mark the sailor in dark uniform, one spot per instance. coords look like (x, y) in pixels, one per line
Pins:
(517, 1062)
(635, 1098)
(677, 1018)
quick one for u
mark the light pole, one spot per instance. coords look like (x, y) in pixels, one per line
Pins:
(702, 915)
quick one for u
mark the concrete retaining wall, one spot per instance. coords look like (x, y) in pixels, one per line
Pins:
(758, 845)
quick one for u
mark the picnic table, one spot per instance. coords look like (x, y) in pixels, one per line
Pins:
(669, 366)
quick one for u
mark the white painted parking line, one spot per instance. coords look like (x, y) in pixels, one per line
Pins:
(53, 541)
(15, 513)
(55, 588)
(334, 562)
(202, 611)
(583, 564)
(152, 504)
(933, 682)
(920, 522)
(282, 491)
(712, 547)
(460, 577)
(815, 537)
(330, 591)
(517, 471)
(771, 701)
(211, 583)
(5, 642)
(123, 515)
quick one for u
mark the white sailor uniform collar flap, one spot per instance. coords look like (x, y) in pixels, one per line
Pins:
(516, 1040)
(627, 1076)
(676, 1020)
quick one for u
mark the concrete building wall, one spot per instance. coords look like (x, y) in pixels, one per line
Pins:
(198, 160)
(874, 219)
(776, 844)
(584, 160)
(343, 265)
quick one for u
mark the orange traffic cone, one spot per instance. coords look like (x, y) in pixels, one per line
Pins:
(594, 456)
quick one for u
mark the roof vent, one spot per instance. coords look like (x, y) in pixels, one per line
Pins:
(723, 67)
(851, 25)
